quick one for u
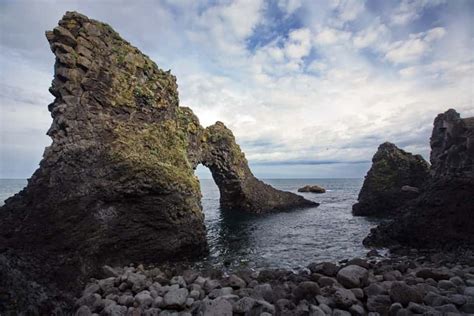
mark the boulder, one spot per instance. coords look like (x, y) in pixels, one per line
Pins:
(175, 298)
(353, 276)
(326, 268)
(402, 293)
(392, 169)
(312, 189)
(217, 307)
(344, 298)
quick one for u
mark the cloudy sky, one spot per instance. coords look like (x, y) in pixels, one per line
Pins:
(309, 88)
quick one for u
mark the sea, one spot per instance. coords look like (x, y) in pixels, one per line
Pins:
(289, 240)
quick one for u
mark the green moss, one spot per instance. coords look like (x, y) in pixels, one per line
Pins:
(156, 150)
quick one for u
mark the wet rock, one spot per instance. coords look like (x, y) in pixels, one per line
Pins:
(235, 282)
(326, 281)
(306, 290)
(435, 274)
(379, 303)
(402, 293)
(263, 291)
(469, 291)
(318, 311)
(433, 299)
(217, 307)
(210, 285)
(352, 276)
(106, 285)
(126, 300)
(91, 289)
(344, 298)
(110, 272)
(325, 268)
(144, 299)
(357, 310)
(392, 275)
(394, 309)
(262, 306)
(115, 310)
(83, 311)
(338, 312)
(244, 305)
(175, 298)
(374, 289)
(92, 301)
(178, 280)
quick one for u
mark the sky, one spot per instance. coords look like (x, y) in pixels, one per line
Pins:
(309, 88)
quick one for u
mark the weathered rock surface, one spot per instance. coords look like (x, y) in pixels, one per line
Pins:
(239, 189)
(443, 214)
(117, 183)
(385, 186)
(312, 189)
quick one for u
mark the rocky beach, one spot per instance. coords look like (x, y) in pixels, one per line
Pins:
(111, 221)
(410, 284)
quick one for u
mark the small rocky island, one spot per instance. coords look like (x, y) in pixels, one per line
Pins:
(115, 204)
(312, 189)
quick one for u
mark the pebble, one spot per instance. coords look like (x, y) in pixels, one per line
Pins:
(358, 287)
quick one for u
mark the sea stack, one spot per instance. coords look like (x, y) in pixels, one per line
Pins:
(443, 214)
(117, 184)
(394, 178)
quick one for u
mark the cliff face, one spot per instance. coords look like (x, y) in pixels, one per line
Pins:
(443, 214)
(384, 186)
(117, 184)
(452, 146)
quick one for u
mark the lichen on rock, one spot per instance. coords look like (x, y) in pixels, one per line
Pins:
(392, 169)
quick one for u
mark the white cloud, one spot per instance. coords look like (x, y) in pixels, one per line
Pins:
(410, 10)
(331, 36)
(415, 47)
(374, 34)
(348, 10)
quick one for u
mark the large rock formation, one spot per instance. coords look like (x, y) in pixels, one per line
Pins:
(117, 183)
(239, 189)
(385, 186)
(443, 214)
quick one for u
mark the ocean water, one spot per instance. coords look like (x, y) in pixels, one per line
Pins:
(280, 240)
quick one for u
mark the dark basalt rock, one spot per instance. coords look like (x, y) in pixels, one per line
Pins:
(239, 189)
(387, 184)
(312, 189)
(117, 184)
(443, 215)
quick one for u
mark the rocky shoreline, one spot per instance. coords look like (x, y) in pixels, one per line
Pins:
(407, 283)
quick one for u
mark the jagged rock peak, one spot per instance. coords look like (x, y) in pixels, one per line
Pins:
(452, 145)
(392, 169)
